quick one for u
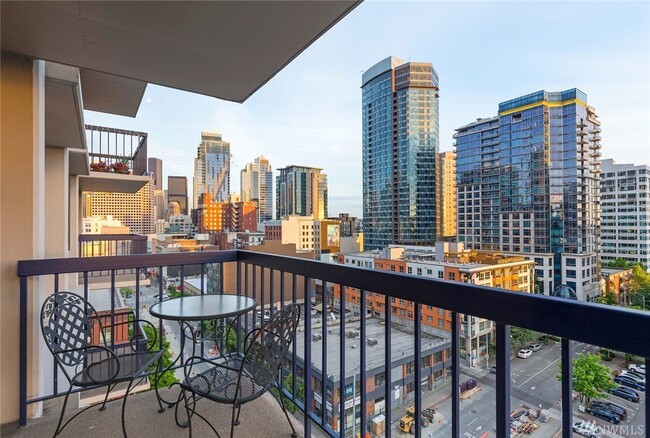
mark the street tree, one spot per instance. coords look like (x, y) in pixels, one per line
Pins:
(590, 378)
(640, 285)
(519, 336)
(608, 298)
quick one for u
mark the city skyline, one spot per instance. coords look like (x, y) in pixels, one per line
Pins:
(320, 126)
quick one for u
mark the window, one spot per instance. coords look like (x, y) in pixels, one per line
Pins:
(441, 311)
(452, 275)
(409, 368)
(441, 323)
(441, 274)
(419, 271)
(380, 379)
(410, 270)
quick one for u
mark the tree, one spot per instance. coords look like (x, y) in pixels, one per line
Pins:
(168, 377)
(590, 378)
(608, 298)
(126, 292)
(288, 385)
(640, 286)
(519, 336)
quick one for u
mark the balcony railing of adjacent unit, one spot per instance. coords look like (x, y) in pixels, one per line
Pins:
(112, 145)
(272, 280)
(108, 245)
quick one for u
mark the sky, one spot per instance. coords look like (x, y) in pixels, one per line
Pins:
(484, 53)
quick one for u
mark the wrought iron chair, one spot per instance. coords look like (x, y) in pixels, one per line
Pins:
(75, 336)
(240, 379)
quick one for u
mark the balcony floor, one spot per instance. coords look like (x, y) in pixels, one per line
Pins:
(262, 417)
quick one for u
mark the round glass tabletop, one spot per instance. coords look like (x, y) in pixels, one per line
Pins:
(199, 307)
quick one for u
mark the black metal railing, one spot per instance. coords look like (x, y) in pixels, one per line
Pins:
(275, 280)
(113, 145)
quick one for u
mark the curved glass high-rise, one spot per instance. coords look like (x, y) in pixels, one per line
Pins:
(400, 142)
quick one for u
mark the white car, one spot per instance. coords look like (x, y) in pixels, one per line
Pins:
(524, 353)
(588, 429)
(638, 368)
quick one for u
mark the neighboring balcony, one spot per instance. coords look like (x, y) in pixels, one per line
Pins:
(355, 350)
(118, 160)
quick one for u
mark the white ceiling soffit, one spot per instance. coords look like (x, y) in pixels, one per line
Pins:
(112, 182)
(78, 162)
(221, 49)
(64, 122)
(111, 94)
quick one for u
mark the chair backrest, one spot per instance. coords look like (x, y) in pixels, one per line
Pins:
(269, 347)
(66, 323)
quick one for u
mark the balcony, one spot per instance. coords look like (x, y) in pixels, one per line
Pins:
(372, 331)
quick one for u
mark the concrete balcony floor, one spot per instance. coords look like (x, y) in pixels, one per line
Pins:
(262, 417)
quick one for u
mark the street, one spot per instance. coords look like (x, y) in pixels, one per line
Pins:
(534, 384)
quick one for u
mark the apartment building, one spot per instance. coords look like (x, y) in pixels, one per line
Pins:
(302, 191)
(625, 212)
(257, 185)
(212, 168)
(448, 261)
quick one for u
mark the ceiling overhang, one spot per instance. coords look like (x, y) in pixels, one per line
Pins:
(221, 49)
(112, 182)
(78, 162)
(64, 121)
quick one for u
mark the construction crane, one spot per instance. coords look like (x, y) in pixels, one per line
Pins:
(222, 174)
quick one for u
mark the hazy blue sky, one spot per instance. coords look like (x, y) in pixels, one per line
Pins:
(484, 53)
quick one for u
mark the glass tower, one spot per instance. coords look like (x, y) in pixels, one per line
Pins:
(528, 182)
(257, 184)
(301, 191)
(400, 142)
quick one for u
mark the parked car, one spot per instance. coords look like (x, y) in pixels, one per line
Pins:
(524, 353)
(634, 375)
(618, 410)
(588, 429)
(535, 347)
(493, 369)
(603, 413)
(626, 393)
(638, 368)
(622, 379)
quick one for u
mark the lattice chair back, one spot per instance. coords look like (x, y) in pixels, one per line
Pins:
(66, 323)
(270, 345)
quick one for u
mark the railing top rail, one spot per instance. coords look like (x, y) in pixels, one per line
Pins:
(612, 327)
(28, 268)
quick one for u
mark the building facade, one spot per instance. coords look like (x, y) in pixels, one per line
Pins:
(625, 210)
(177, 192)
(257, 185)
(449, 261)
(226, 216)
(154, 166)
(133, 210)
(301, 191)
(446, 166)
(212, 167)
(400, 142)
(528, 183)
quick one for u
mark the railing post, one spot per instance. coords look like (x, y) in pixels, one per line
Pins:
(418, 370)
(455, 376)
(388, 381)
(308, 362)
(503, 380)
(567, 396)
(342, 364)
(362, 366)
(23, 351)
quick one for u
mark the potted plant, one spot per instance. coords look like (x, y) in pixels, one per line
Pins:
(121, 166)
(100, 166)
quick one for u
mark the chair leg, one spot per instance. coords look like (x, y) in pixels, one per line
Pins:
(232, 422)
(237, 419)
(187, 410)
(126, 395)
(157, 376)
(280, 399)
(108, 391)
(65, 403)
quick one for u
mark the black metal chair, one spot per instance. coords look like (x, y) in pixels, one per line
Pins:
(75, 335)
(237, 380)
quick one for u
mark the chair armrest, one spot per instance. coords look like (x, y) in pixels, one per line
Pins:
(110, 355)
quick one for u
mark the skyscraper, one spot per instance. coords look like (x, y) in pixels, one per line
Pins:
(301, 191)
(400, 142)
(257, 184)
(154, 165)
(177, 192)
(625, 193)
(212, 168)
(446, 173)
(529, 183)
